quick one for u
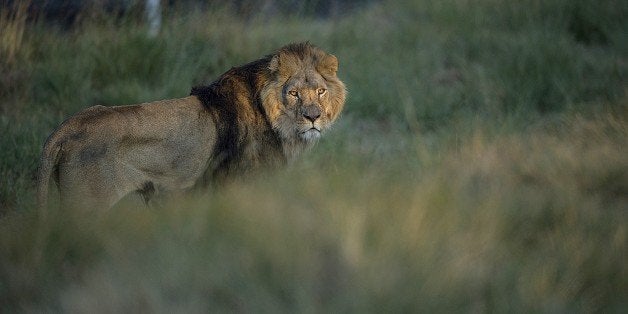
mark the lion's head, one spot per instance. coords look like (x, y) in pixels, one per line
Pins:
(304, 95)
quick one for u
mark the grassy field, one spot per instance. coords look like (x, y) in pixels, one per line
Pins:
(480, 166)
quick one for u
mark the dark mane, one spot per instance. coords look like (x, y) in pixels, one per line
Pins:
(221, 91)
(222, 99)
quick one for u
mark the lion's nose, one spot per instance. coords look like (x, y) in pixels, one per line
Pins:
(312, 113)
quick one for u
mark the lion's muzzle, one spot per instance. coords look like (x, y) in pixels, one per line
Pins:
(311, 113)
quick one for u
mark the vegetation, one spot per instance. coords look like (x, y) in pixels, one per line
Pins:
(480, 165)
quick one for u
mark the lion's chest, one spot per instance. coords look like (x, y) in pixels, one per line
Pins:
(251, 155)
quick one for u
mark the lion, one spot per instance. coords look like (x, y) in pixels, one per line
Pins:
(259, 115)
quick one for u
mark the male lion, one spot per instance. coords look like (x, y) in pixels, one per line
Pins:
(260, 114)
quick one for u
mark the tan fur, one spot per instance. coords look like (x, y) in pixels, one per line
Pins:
(260, 114)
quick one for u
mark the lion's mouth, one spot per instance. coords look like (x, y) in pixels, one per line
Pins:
(310, 134)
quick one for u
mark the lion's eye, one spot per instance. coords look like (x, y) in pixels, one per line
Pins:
(293, 93)
(321, 91)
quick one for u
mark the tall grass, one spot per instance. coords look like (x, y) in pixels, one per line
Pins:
(479, 166)
(12, 23)
(525, 222)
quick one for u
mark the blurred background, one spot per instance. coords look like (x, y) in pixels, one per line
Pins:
(479, 165)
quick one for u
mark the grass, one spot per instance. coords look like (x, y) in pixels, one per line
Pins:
(479, 166)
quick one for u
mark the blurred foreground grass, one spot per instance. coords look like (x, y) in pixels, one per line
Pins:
(480, 166)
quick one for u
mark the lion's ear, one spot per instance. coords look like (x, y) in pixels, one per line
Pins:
(328, 65)
(273, 66)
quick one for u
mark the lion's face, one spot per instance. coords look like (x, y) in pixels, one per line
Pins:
(305, 95)
(306, 105)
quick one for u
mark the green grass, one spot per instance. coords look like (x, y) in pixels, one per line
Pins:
(479, 166)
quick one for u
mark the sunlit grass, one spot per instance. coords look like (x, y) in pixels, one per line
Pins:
(13, 25)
